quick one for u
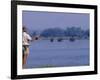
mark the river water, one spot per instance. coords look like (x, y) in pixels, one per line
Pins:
(44, 53)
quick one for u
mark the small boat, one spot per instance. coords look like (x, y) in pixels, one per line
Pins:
(36, 38)
(60, 39)
(51, 39)
(72, 39)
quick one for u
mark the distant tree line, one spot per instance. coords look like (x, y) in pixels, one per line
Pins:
(68, 32)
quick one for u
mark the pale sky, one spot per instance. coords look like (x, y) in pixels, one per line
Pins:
(36, 20)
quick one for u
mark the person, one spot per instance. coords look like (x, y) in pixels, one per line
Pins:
(26, 38)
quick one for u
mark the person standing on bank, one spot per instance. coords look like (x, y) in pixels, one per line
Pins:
(26, 38)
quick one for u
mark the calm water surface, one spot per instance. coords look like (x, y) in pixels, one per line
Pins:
(44, 53)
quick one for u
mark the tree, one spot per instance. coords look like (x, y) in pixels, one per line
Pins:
(53, 32)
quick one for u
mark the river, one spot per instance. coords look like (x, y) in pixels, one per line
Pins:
(44, 53)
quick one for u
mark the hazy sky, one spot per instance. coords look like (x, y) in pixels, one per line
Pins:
(41, 20)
